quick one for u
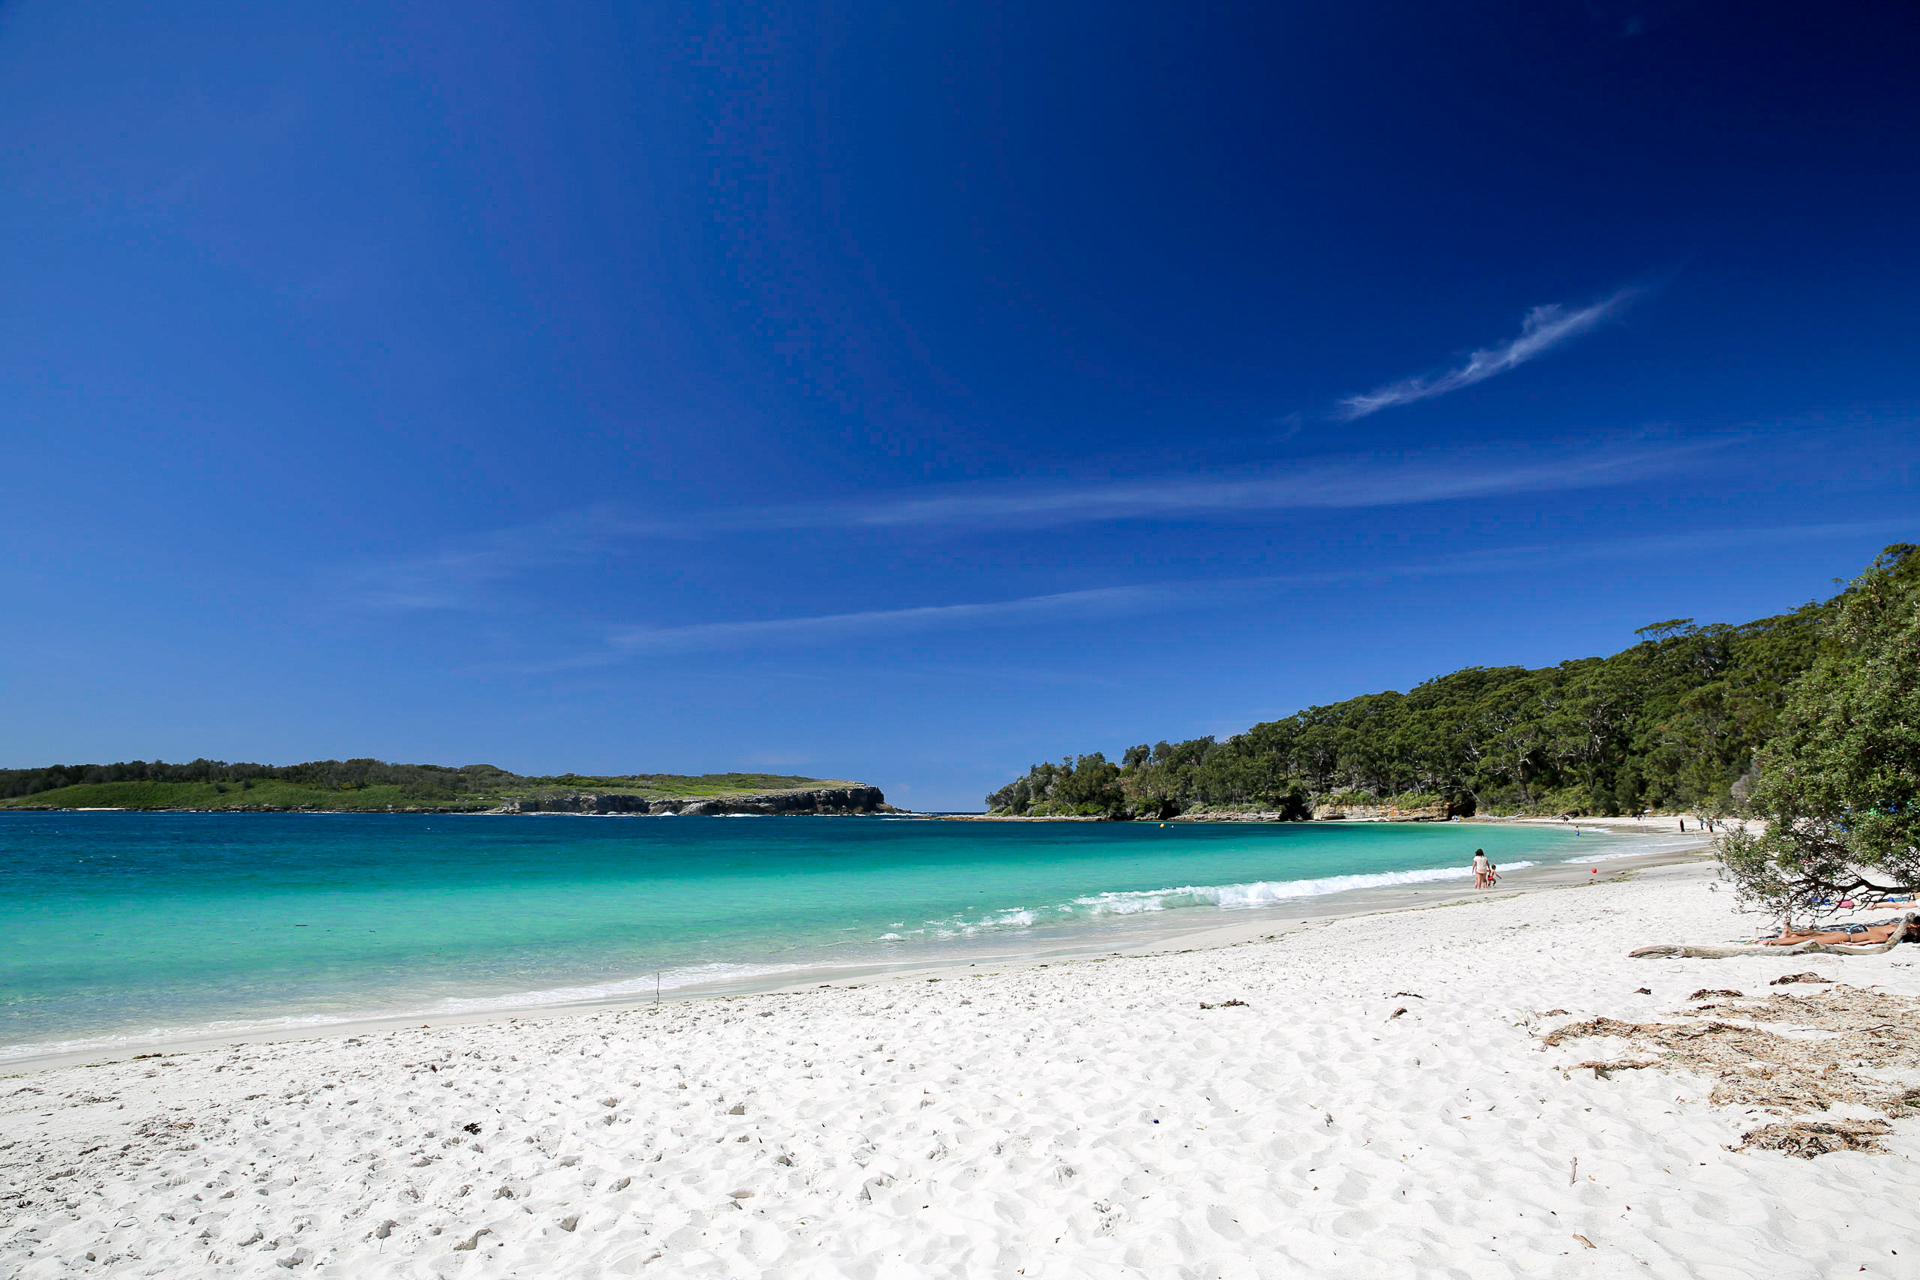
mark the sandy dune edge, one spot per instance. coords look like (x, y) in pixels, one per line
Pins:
(1086, 1119)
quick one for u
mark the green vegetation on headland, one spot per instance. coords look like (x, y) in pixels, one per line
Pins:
(1672, 723)
(348, 784)
(1839, 780)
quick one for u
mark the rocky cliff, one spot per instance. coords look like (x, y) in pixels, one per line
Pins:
(824, 800)
(1381, 813)
(1228, 815)
(1321, 813)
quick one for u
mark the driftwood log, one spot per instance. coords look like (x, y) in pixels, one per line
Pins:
(1675, 951)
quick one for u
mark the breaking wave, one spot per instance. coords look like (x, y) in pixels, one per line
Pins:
(1260, 893)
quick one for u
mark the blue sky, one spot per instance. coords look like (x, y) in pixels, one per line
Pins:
(910, 393)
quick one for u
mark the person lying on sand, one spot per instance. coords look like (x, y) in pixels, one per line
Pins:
(1905, 930)
(1880, 934)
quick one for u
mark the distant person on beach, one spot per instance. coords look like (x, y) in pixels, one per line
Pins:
(1482, 869)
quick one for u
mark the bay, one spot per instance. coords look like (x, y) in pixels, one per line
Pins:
(120, 929)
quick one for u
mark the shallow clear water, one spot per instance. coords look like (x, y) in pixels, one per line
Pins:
(119, 927)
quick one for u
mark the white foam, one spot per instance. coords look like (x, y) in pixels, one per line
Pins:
(1266, 892)
(1263, 893)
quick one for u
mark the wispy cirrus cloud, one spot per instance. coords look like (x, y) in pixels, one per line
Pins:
(1349, 483)
(842, 628)
(1192, 597)
(456, 574)
(708, 637)
(472, 572)
(1543, 329)
(876, 625)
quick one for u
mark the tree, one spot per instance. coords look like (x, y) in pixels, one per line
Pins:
(1839, 782)
(1672, 721)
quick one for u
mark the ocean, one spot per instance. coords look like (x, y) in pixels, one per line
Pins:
(121, 930)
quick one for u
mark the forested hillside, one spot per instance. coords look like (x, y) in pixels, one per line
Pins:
(1672, 722)
(340, 784)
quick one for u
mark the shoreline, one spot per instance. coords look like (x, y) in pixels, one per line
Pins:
(1369, 1095)
(1154, 934)
(1618, 824)
(497, 812)
(1621, 825)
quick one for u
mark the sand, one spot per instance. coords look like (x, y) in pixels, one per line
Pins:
(1085, 1119)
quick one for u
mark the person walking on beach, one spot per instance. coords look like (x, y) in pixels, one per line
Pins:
(1482, 869)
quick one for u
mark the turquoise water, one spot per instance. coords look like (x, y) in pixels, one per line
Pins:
(120, 928)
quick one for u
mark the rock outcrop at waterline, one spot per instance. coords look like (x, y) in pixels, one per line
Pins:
(1438, 812)
(826, 801)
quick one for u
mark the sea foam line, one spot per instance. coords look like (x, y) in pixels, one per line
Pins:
(1262, 892)
(1258, 893)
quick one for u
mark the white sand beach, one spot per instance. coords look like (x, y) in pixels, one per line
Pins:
(1086, 1119)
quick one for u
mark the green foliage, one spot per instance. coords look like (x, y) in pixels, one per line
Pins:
(272, 794)
(1839, 783)
(1672, 722)
(361, 784)
(673, 785)
(1087, 786)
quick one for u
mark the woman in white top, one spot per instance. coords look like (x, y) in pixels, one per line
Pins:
(1482, 869)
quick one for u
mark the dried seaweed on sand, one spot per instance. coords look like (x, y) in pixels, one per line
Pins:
(1808, 1139)
(1808, 1053)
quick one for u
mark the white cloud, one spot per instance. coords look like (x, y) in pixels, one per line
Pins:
(1329, 485)
(708, 637)
(477, 572)
(1193, 596)
(1544, 328)
(1117, 601)
(463, 573)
